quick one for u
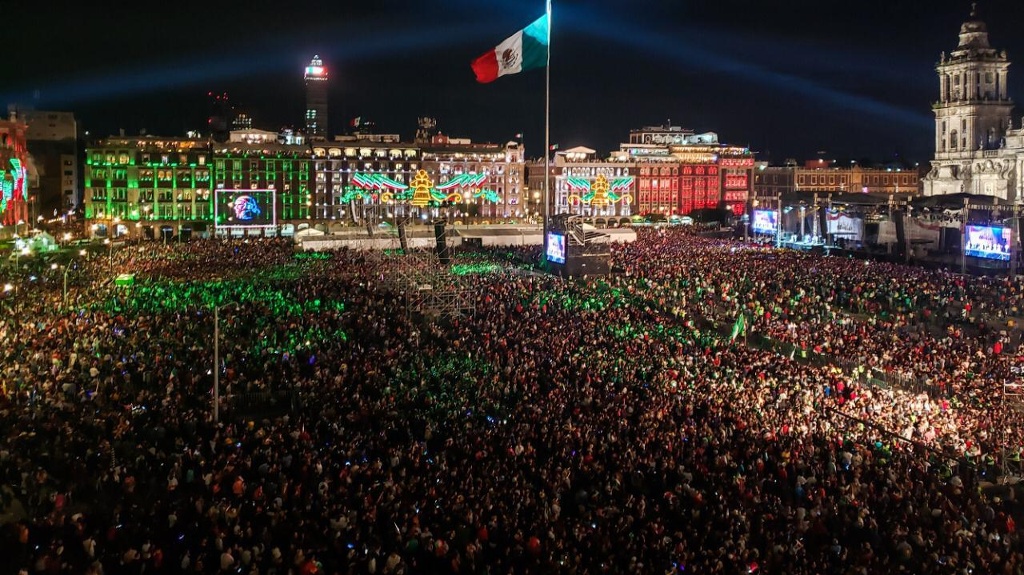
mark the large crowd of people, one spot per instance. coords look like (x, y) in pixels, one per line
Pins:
(580, 426)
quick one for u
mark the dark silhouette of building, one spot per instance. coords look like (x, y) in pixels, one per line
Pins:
(221, 116)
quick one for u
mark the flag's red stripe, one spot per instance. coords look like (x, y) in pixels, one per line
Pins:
(486, 67)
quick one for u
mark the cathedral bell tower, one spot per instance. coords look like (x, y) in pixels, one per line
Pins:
(972, 114)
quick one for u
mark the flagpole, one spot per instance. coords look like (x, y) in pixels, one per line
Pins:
(547, 130)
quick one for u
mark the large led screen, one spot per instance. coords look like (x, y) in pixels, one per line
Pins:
(556, 248)
(244, 208)
(988, 242)
(765, 221)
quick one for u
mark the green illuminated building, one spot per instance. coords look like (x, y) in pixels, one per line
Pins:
(139, 182)
(149, 186)
(264, 165)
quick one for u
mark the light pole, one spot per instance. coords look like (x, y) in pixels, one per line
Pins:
(803, 215)
(64, 300)
(746, 221)
(778, 229)
(216, 359)
(753, 210)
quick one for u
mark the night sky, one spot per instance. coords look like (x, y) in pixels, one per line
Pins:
(786, 78)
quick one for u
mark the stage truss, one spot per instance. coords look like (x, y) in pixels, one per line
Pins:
(415, 272)
(1013, 410)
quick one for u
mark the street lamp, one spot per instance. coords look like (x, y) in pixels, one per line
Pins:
(216, 359)
(110, 252)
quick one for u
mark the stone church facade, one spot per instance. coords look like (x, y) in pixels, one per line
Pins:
(977, 148)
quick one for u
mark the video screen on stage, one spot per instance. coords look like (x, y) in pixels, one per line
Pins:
(244, 208)
(556, 248)
(765, 221)
(988, 242)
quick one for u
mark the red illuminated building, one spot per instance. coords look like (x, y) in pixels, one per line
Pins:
(680, 171)
(13, 171)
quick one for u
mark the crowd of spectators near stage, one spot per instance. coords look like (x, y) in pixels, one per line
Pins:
(584, 426)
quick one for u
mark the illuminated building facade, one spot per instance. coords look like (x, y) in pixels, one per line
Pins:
(830, 177)
(977, 151)
(147, 179)
(354, 176)
(824, 176)
(316, 100)
(13, 171)
(585, 185)
(171, 183)
(680, 171)
(486, 180)
(283, 168)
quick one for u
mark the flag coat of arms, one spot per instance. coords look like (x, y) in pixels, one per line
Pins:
(525, 50)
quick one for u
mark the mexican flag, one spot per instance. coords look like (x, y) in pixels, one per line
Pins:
(525, 50)
(739, 327)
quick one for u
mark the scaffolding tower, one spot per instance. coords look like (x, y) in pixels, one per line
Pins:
(419, 272)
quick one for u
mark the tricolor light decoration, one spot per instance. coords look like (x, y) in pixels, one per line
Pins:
(316, 69)
(12, 189)
(582, 190)
(489, 195)
(353, 193)
(578, 185)
(620, 190)
(376, 182)
(463, 181)
(469, 183)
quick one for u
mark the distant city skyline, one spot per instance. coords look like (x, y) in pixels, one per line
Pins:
(788, 80)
